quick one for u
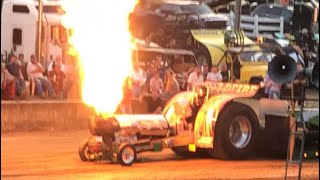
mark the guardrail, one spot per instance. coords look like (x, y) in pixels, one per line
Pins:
(254, 26)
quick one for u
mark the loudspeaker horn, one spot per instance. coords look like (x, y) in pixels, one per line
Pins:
(282, 69)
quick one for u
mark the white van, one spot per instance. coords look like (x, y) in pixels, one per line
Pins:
(19, 26)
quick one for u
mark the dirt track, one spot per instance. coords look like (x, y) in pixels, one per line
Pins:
(54, 155)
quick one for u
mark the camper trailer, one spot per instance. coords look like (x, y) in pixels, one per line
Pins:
(19, 27)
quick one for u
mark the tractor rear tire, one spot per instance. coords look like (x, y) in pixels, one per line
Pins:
(236, 132)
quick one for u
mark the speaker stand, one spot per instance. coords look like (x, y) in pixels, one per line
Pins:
(296, 132)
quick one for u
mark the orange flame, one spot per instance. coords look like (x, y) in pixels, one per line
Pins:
(102, 39)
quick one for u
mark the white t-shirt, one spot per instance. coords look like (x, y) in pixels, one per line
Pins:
(138, 77)
(63, 68)
(32, 67)
(194, 78)
(156, 84)
(214, 77)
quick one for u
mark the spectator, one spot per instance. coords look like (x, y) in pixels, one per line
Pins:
(272, 88)
(225, 73)
(23, 66)
(8, 90)
(154, 103)
(214, 75)
(189, 43)
(205, 69)
(138, 78)
(34, 71)
(72, 81)
(172, 86)
(58, 60)
(56, 77)
(156, 83)
(150, 73)
(48, 64)
(299, 84)
(13, 52)
(160, 67)
(125, 106)
(15, 70)
(195, 77)
(236, 68)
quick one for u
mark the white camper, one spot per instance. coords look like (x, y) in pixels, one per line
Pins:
(19, 26)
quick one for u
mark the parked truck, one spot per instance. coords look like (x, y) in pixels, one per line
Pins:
(19, 27)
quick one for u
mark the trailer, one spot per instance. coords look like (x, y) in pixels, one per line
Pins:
(19, 27)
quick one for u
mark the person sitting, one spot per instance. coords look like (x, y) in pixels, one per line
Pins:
(151, 70)
(58, 60)
(156, 83)
(34, 71)
(56, 77)
(214, 75)
(195, 77)
(138, 79)
(159, 65)
(272, 88)
(153, 103)
(15, 70)
(172, 86)
(23, 66)
(8, 89)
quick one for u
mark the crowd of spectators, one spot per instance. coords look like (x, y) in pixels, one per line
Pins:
(30, 79)
(147, 90)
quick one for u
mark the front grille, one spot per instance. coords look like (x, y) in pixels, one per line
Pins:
(216, 24)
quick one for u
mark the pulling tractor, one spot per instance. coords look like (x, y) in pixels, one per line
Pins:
(225, 120)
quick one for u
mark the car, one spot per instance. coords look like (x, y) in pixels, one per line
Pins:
(276, 11)
(175, 14)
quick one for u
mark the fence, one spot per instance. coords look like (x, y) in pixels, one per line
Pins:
(255, 26)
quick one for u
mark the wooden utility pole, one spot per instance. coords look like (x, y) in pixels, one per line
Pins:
(40, 14)
(237, 15)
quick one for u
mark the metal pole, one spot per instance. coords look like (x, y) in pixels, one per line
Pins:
(40, 12)
(237, 15)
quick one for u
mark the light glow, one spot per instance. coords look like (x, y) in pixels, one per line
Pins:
(100, 35)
